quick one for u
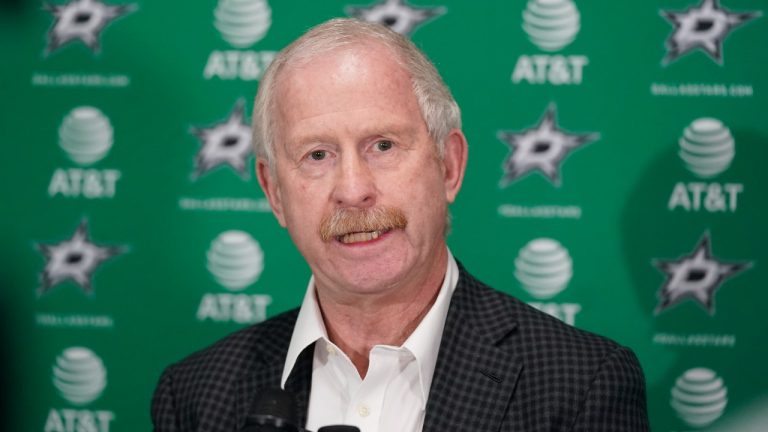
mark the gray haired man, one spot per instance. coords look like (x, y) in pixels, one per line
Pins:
(360, 152)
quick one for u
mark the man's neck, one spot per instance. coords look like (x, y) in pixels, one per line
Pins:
(357, 328)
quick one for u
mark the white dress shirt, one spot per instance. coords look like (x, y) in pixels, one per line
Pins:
(393, 395)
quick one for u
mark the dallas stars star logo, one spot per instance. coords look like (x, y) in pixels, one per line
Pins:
(75, 259)
(82, 20)
(704, 27)
(696, 276)
(225, 143)
(541, 148)
(395, 14)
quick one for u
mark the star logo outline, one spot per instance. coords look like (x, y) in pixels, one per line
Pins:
(698, 267)
(543, 148)
(75, 259)
(708, 15)
(82, 20)
(397, 15)
(226, 143)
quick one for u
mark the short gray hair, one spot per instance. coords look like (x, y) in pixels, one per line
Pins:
(438, 108)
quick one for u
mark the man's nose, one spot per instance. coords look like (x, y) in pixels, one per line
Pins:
(355, 184)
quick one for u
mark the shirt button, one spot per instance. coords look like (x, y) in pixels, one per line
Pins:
(363, 411)
(331, 350)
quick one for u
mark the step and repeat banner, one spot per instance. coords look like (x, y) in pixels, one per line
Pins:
(616, 180)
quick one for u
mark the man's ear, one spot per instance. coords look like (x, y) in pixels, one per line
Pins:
(268, 182)
(454, 163)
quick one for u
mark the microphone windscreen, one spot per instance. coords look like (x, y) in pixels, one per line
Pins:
(273, 410)
(276, 402)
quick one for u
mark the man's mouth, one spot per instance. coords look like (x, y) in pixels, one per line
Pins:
(359, 237)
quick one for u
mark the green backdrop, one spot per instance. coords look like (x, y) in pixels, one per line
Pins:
(615, 180)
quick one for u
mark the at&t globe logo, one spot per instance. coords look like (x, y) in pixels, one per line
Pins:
(707, 148)
(236, 261)
(544, 268)
(551, 24)
(86, 136)
(242, 22)
(699, 397)
(79, 375)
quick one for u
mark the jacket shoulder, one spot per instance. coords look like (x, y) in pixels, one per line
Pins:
(236, 351)
(571, 379)
(200, 390)
(535, 331)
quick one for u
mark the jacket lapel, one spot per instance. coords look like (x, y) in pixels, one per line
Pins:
(476, 371)
(474, 379)
(267, 370)
(300, 382)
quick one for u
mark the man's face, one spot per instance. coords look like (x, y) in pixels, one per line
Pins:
(350, 136)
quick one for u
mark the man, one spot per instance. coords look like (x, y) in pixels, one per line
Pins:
(360, 152)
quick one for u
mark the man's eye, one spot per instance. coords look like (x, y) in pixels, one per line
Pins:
(384, 145)
(318, 155)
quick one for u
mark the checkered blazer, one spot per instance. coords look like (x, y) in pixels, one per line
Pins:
(502, 366)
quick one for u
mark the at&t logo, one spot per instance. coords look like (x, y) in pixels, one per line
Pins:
(551, 25)
(80, 377)
(544, 268)
(699, 397)
(241, 23)
(707, 148)
(86, 136)
(236, 261)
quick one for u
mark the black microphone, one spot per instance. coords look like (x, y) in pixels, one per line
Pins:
(338, 428)
(273, 411)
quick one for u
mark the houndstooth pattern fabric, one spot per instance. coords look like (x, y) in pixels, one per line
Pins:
(502, 366)
(214, 389)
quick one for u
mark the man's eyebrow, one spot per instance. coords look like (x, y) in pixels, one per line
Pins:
(398, 131)
(306, 139)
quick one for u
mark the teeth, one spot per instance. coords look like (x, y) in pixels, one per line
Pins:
(359, 237)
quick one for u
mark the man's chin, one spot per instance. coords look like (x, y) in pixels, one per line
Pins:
(370, 276)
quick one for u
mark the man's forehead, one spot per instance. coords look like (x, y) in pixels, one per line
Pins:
(346, 78)
(348, 63)
(313, 55)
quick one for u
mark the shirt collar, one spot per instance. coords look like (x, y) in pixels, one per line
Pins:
(423, 343)
(308, 329)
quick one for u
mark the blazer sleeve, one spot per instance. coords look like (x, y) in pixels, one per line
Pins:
(615, 400)
(164, 413)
